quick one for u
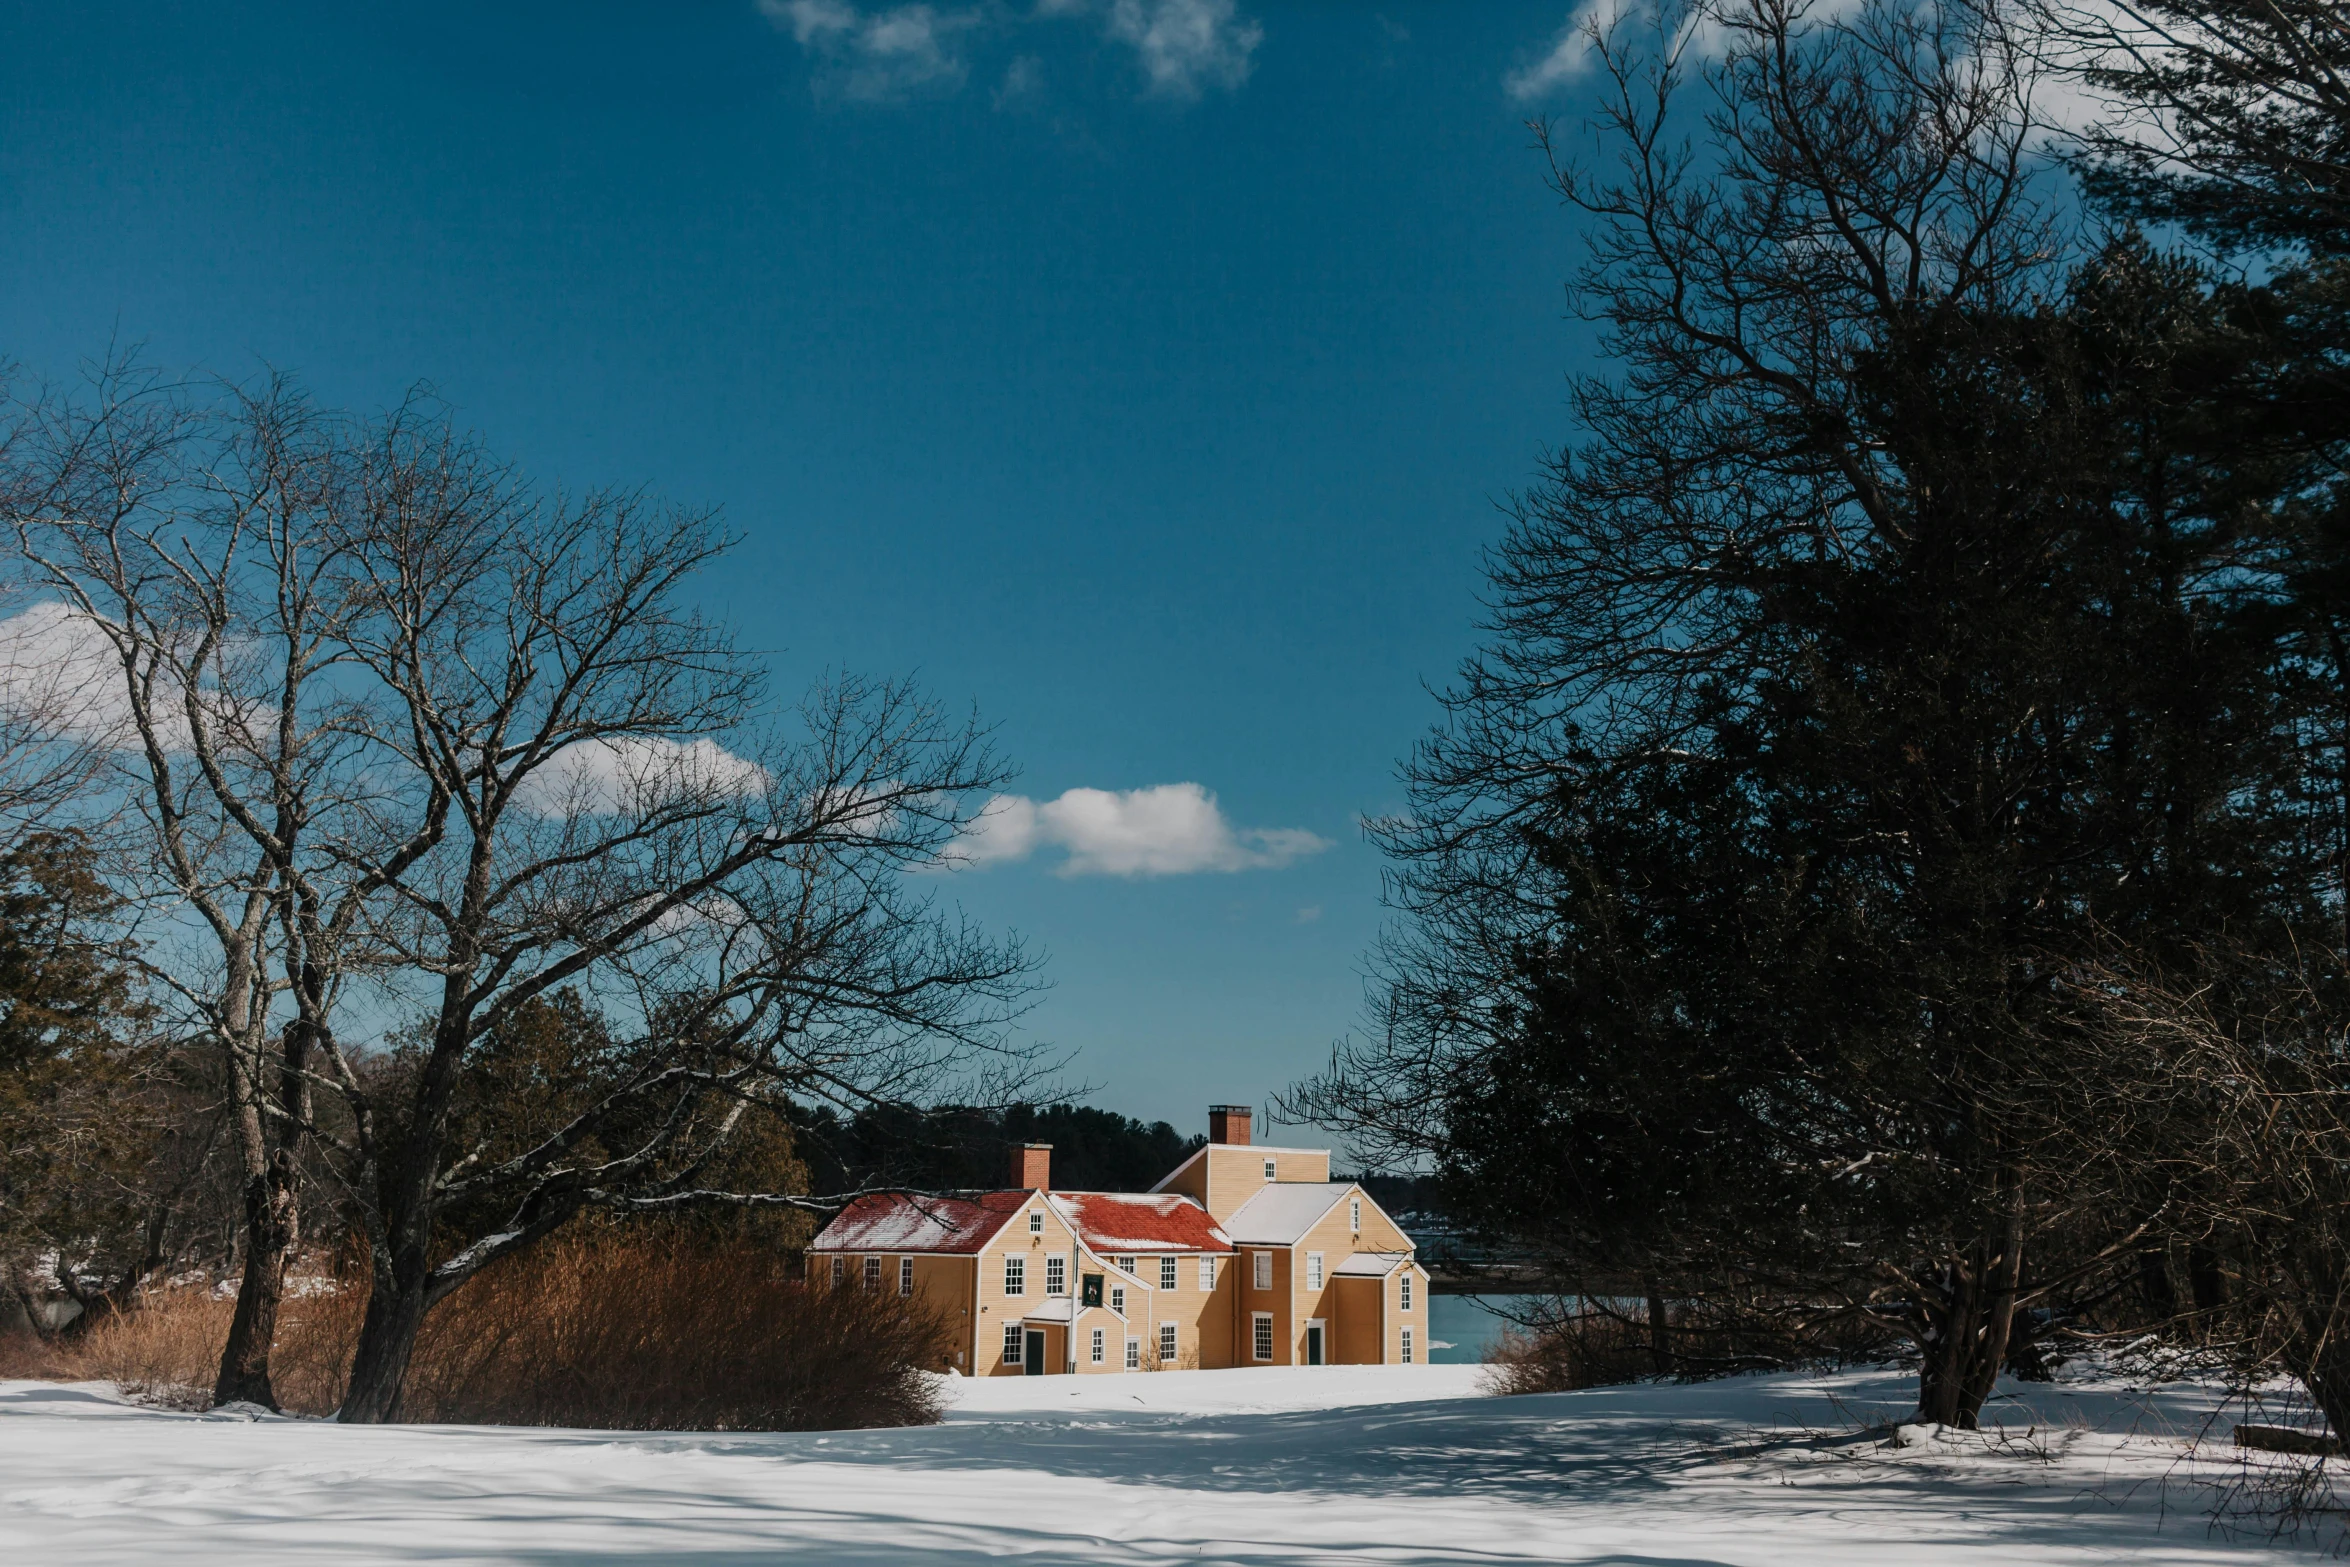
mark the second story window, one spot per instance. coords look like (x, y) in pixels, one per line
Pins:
(1313, 1270)
(1015, 1275)
(1167, 1273)
(1403, 1291)
(873, 1273)
(840, 1271)
(1207, 1273)
(1056, 1275)
(1118, 1299)
(1036, 1221)
(905, 1275)
(1264, 1267)
(1272, 1170)
(1354, 1214)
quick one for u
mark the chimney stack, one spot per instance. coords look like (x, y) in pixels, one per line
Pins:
(1228, 1124)
(1032, 1166)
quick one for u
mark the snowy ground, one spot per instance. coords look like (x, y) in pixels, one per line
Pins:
(1393, 1467)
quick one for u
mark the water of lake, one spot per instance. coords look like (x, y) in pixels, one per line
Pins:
(1460, 1329)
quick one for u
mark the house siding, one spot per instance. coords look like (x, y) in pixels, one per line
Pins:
(1362, 1317)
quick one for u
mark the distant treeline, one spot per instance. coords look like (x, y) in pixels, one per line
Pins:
(960, 1146)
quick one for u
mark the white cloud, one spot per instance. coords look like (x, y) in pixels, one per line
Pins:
(61, 679)
(1182, 44)
(878, 57)
(1183, 47)
(1567, 55)
(1167, 830)
(605, 777)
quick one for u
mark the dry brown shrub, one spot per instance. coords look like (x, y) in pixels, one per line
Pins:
(638, 1335)
(1576, 1352)
(619, 1334)
(164, 1351)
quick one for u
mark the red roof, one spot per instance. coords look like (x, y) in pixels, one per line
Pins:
(1133, 1222)
(1114, 1222)
(893, 1221)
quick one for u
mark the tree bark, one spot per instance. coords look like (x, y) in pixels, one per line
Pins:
(1660, 1331)
(271, 1230)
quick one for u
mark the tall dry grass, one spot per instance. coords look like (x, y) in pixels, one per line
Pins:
(625, 1335)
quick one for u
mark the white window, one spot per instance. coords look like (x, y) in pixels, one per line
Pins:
(840, 1271)
(1313, 1270)
(905, 1275)
(1056, 1275)
(1118, 1298)
(1167, 1267)
(1036, 1221)
(1167, 1349)
(1407, 1346)
(1015, 1275)
(1403, 1290)
(1263, 1344)
(1264, 1267)
(1126, 1264)
(1271, 1169)
(1354, 1214)
(1134, 1354)
(873, 1273)
(1011, 1343)
(1097, 1346)
(1207, 1273)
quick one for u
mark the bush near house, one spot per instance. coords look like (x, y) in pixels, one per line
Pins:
(623, 1334)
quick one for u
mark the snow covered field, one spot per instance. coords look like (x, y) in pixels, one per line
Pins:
(1388, 1466)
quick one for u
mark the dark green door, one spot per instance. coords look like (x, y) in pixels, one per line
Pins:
(1314, 1344)
(1035, 1366)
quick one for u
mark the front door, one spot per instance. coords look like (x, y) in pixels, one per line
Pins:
(1035, 1364)
(1313, 1343)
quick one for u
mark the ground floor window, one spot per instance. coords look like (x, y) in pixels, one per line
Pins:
(840, 1271)
(1134, 1354)
(1097, 1346)
(1011, 1343)
(1407, 1346)
(1264, 1336)
(905, 1275)
(1167, 1343)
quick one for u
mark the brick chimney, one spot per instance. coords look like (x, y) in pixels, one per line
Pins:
(1228, 1124)
(1032, 1166)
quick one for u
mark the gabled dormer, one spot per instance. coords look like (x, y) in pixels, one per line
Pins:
(1231, 1169)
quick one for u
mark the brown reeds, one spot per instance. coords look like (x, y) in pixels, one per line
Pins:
(596, 1332)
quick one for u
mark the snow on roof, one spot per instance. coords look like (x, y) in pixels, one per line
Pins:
(1131, 1222)
(1056, 1310)
(1282, 1212)
(1371, 1264)
(896, 1221)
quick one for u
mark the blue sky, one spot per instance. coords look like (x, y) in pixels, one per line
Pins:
(1145, 372)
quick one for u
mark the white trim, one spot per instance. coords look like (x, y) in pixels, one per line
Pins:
(1170, 1346)
(1260, 1337)
(1260, 1269)
(1320, 1325)
(1314, 1273)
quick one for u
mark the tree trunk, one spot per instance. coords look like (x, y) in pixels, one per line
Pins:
(1967, 1339)
(1660, 1331)
(271, 1230)
(387, 1338)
